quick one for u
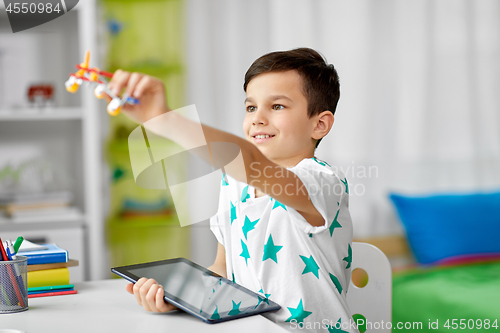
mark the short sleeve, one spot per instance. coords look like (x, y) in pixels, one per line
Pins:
(217, 222)
(216, 229)
(326, 190)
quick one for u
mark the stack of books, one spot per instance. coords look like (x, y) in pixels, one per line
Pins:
(48, 273)
(36, 205)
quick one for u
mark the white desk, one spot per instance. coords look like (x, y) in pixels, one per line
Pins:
(105, 306)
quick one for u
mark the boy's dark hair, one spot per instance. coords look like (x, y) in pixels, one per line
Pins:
(320, 80)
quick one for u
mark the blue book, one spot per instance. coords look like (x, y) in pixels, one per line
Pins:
(53, 254)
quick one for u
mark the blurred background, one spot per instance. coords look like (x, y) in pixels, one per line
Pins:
(418, 112)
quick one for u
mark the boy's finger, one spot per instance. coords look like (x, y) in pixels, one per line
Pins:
(145, 83)
(130, 288)
(137, 289)
(161, 305)
(132, 83)
(143, 292)
(112, 82)
(107, 97)
(150, 300)
(120, 81)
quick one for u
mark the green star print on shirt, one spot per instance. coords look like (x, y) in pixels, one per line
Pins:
(248, 226)
(265, 299)
(336, 282)
(224, 181)
(244, 194)
(270, 250)
(244, 253)
(348, 259)
(277, 204)
(215, 315)
(299, 314)
(336, 328)
(346, 185)
(335, 223)
(233, 212)
(311, 266)
(235, 310)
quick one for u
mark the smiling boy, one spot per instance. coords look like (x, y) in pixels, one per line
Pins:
(283, 225)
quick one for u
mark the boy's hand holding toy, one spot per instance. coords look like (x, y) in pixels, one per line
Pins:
(144, 96)
(148, 90)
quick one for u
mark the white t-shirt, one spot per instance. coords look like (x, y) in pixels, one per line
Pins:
(273, 250)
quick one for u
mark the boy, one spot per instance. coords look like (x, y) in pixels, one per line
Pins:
(283, 224)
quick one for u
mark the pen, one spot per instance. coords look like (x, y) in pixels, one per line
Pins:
(18, 243)
(10, 250)
(4, 254)
(9, 256)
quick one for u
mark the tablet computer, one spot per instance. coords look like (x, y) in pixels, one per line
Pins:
(198, 291)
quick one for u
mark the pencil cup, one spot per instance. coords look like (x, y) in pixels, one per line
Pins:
(14, 285)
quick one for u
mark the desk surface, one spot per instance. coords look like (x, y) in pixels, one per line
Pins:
(105, 306)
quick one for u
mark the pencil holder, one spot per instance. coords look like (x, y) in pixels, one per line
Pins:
(14, 285)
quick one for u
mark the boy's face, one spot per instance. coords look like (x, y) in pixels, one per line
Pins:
(277, 108)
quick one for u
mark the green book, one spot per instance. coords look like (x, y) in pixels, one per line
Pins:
(65, 286)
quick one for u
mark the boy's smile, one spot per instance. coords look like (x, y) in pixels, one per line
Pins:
(276, 118)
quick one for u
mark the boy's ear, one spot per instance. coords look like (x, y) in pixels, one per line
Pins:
(324, 122)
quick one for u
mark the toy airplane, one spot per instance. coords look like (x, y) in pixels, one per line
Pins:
(96, 77)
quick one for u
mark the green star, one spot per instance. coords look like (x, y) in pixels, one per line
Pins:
(245, 253)
(335, 223)
(224, 181)
(336, 282)
(346, 186)
(348, 259)
(311, 266)
(235, 310)
(244, 194)
(277, 204)
(270, 250)
(215, 315)
(336, 328)
(249, 225)
(234, 280)
(265, 299)
(233, 212)
(299, 314)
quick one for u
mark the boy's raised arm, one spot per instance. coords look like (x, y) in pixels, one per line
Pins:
(255, 171)
(151, 93)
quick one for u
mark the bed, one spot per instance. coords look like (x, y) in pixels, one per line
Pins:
(454, 285)
(462, 297)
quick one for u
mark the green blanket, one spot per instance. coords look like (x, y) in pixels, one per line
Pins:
(464, 298)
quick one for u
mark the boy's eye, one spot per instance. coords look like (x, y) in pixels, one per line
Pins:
(251, 108)
(278, 107)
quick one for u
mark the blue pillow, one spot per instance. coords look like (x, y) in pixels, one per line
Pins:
(447, 225)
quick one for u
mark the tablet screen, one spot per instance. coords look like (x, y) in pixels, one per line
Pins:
(200, 290)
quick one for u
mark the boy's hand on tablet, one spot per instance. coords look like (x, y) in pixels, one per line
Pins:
(149, 90)
(149, 294)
